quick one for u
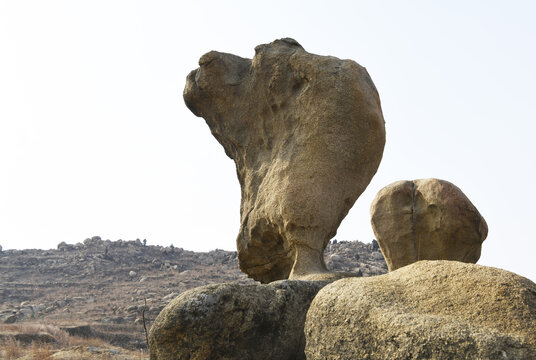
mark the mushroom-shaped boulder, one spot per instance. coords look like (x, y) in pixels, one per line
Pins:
(306, 133)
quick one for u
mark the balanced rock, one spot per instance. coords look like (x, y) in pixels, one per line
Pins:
(306, 133)
(427, 219)
(427, 310)
(232, 321)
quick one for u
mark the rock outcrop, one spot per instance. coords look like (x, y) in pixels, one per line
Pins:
(427, 310)
(306, 133)
(427, 219)
(232, 321)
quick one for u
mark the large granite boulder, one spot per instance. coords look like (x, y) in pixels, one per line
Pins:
(232, 321)
(306, 133)
(426, 219)
(427, 310)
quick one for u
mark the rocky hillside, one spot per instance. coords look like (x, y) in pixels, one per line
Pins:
(105, 283)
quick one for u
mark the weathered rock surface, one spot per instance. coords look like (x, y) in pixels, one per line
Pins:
(427, 310)
(426, 219)
(306, 133)
(231, 321)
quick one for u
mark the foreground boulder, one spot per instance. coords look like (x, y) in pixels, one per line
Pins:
(427, 310)
(306, 133)
(231, 321)
(428, 219)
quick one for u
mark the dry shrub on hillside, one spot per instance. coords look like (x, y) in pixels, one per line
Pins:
(71, 347)
(11, 349)
(41, 351)
(59, 335)
(80, 341)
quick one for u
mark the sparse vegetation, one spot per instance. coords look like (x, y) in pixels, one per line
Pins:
(12, 349)
(72, 347)
(41, 351)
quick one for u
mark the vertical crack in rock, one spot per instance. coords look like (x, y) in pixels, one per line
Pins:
(414, 238)
(442, 223)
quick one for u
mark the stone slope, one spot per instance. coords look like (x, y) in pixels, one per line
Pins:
(105, 283)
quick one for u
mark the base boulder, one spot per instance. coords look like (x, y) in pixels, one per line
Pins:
(233, 321)
(426, 310)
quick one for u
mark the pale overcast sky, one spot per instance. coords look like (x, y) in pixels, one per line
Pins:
(95, 138)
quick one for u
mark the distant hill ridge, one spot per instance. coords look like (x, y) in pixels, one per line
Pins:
(103, 281)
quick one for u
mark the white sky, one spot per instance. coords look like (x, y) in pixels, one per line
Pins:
(95, 138)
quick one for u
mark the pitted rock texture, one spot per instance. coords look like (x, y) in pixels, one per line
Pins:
(306, 133)
(427, 310)
(232, 321)
(428, 219)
